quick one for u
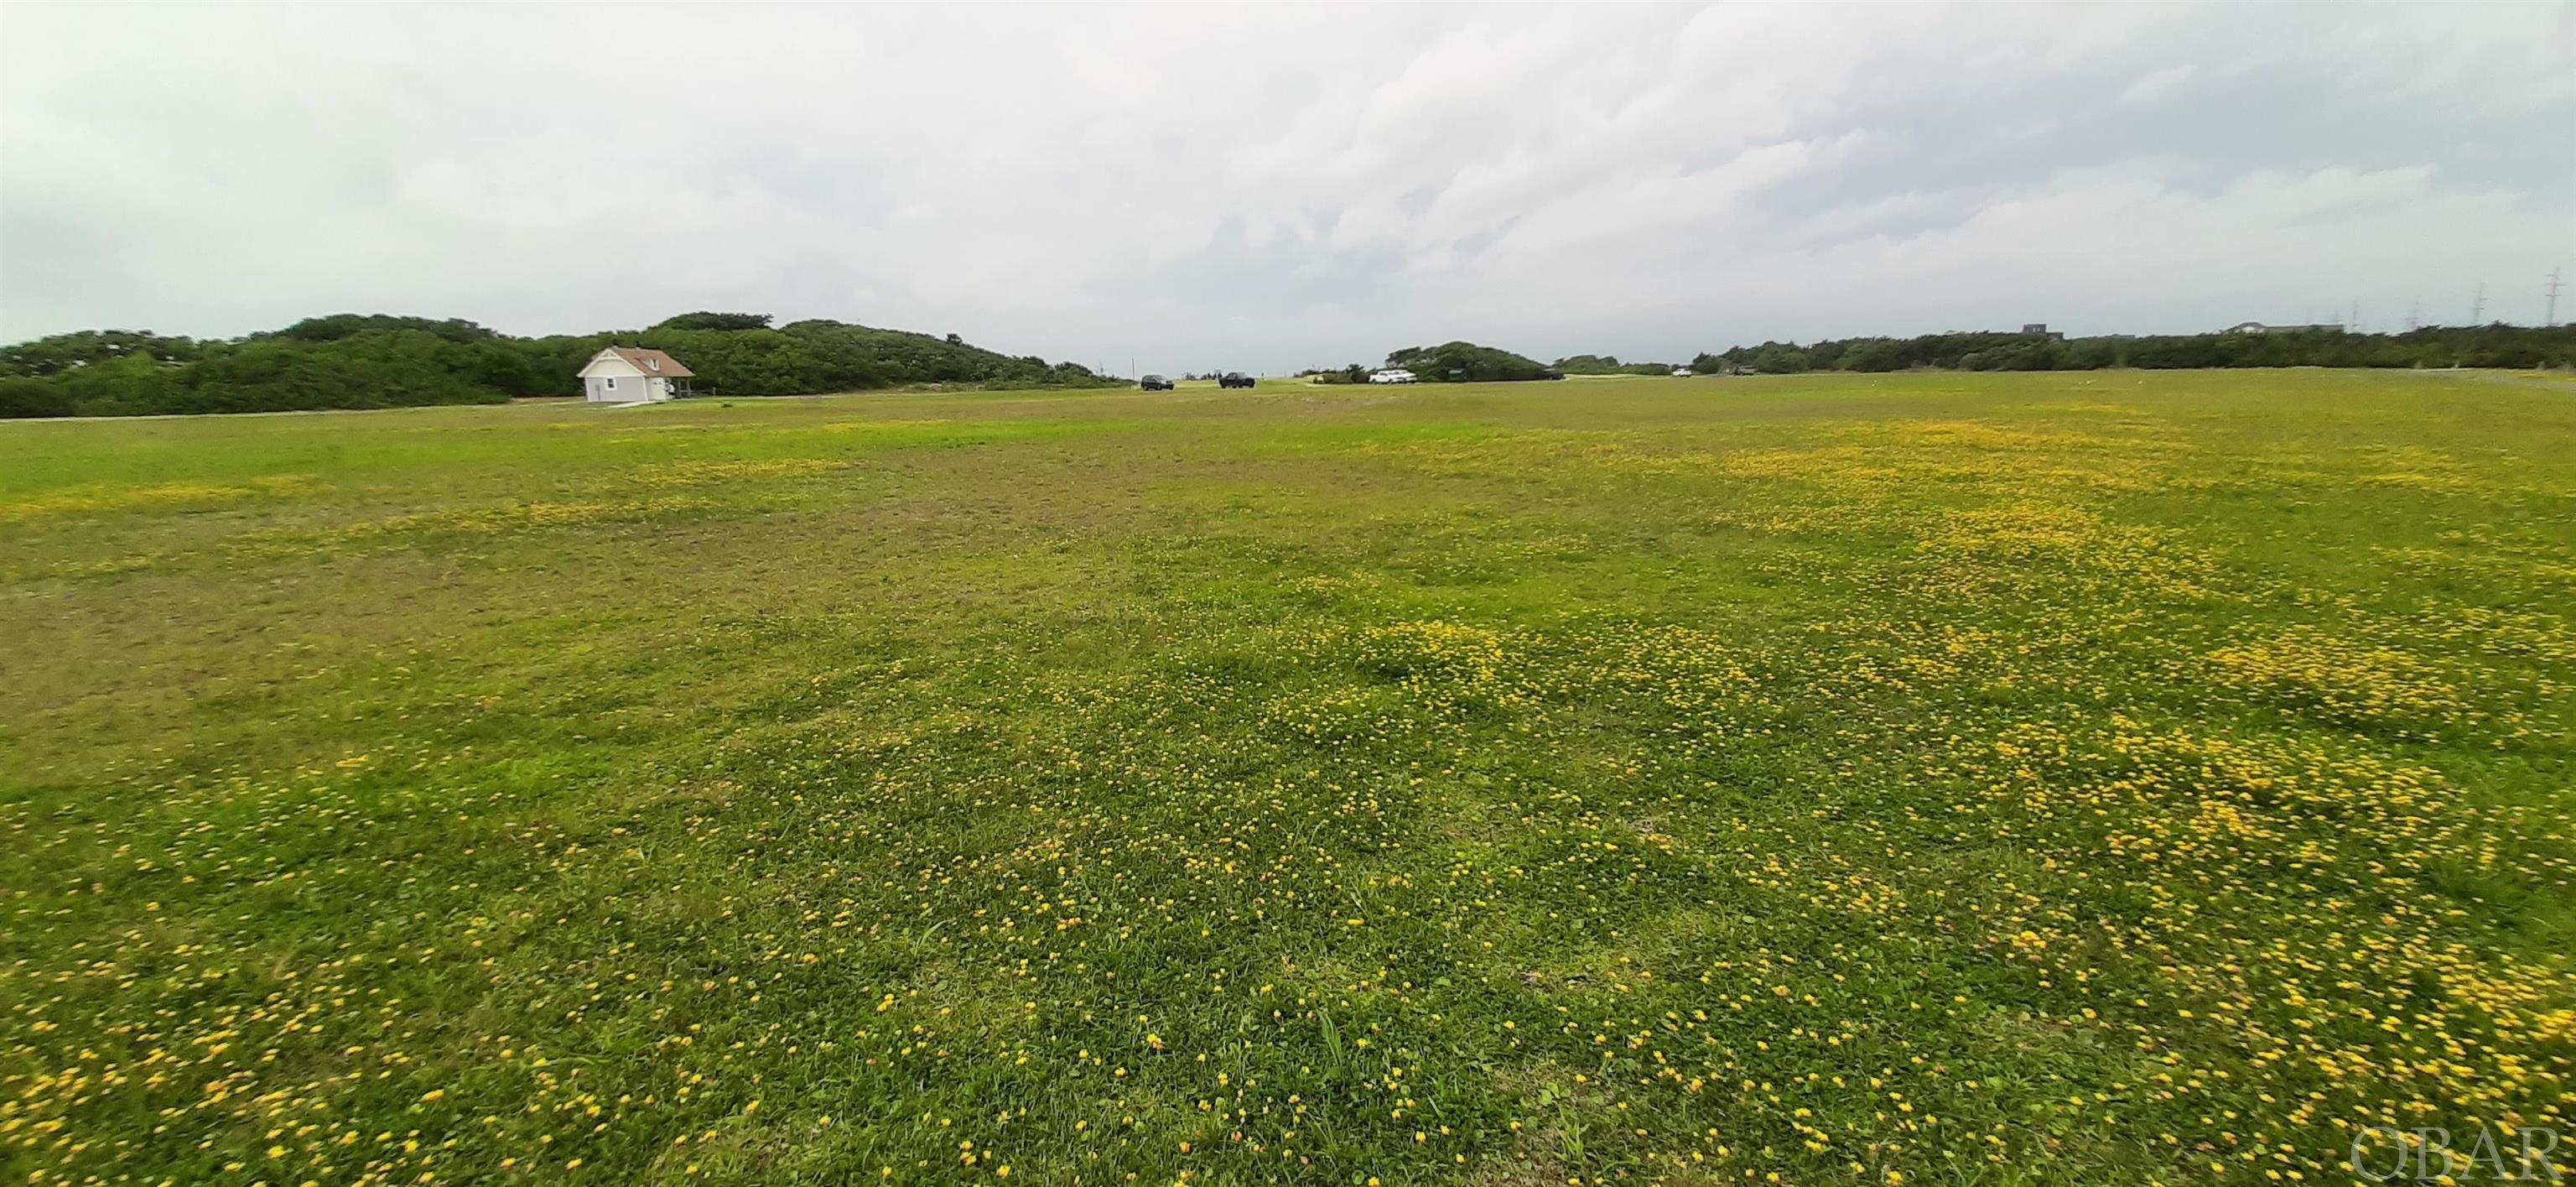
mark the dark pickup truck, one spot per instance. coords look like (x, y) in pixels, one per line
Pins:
(1234, 379)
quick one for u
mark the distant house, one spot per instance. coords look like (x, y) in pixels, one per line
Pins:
(633, 375)
(2040, 328)
(2256, 327)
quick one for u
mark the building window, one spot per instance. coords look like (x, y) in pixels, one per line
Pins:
(611, 383)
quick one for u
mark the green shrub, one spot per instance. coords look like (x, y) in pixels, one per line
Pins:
(1465, 362)
(24, 396)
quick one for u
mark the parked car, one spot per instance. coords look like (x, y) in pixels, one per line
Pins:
(1234, 379)
(1391, 375)
(1154, 383)
(1551, 373)
(1681, 372)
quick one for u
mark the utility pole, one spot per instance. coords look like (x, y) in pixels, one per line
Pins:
(2355, 324)
(2551, 291)
(2478, 307)
(2415, 315)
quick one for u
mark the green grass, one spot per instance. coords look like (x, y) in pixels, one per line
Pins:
(2059, 778)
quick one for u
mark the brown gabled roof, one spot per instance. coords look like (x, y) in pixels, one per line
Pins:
(653, 362)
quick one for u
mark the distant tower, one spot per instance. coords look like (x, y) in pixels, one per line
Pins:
(2415, 316)
(2478, 306)
(2551, 291)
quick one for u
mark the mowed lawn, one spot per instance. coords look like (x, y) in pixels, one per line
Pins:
(2054, 778)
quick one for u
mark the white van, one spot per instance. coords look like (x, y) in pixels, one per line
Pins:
(1391, 375)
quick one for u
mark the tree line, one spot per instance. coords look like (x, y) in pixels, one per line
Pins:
(1609, 364)
(354, 360)
(2494, 345)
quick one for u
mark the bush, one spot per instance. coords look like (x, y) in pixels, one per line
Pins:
(704, 320)
(67, 352)
(24, 396)
(348, 325)
(1588, 364)
(1465, 362)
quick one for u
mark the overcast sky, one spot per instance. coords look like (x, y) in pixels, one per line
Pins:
(1267, 188)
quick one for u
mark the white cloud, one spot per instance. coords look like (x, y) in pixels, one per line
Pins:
(2157, 84)
(1271, 187)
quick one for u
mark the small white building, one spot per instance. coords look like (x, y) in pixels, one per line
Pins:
(633, 375)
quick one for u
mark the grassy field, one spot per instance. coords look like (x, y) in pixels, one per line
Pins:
(2053, 778)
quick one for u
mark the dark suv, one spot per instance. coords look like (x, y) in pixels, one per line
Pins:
(1234, 379)
(1154, 383)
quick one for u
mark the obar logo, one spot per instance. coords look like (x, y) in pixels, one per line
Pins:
(2386, 1154)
